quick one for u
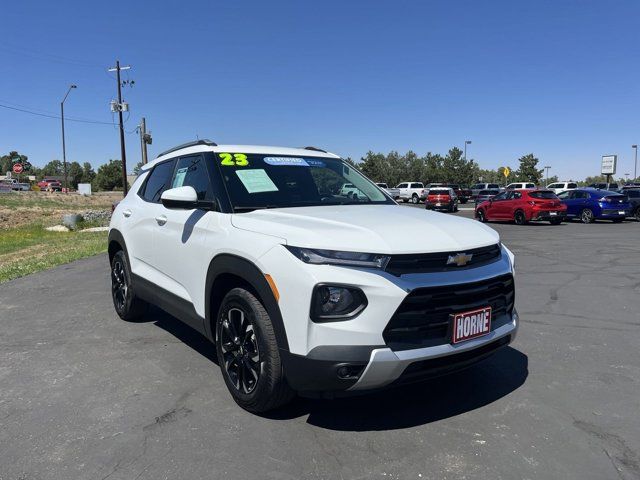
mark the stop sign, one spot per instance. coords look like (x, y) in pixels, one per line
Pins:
(17, 168)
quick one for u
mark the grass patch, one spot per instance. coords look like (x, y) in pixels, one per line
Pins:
(59, 201)
(31, 248)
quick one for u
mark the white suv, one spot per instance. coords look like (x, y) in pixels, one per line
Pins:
(301, 288)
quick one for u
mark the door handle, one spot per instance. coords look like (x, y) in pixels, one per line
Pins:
(126, 213)
(161, 220)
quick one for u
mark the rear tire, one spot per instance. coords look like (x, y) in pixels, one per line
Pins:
(248, 353)
(555, 221)
(128, 306)
(415, 199)
(636, 214)
(519, 218)
(586, 216)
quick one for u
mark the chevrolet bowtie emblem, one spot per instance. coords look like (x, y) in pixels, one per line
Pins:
(459, 259)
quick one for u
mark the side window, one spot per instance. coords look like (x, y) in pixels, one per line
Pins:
(500, 197)
(494, 185)
(566, 195)
(158, 181)
(417, 185)
(530, 185)
(402, 185)
(517, 195)
(572, 185)
(192, 172)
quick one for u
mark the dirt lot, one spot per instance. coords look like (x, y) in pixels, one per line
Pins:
(18, 209)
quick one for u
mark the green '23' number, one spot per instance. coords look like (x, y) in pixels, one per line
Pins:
(229, 160)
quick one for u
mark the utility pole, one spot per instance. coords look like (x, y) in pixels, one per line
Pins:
(120, 108)
(64, 149)
(547, 172)
(635, 163)
(145, 139)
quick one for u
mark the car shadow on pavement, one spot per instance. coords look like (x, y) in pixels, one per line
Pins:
(394, 408)
(417, 404)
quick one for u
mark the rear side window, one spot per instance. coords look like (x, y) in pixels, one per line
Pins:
(158, 181)
(530, 185)
(572, 185)
(547, 195)
(417, 185)
(192, 172)
(493, 185)
(438, 191)
(556, 185)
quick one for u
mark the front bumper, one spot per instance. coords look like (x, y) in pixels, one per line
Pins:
(335, 370)
(317, 351)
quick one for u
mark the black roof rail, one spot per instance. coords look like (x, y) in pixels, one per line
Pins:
(189, 144)
(315, 149)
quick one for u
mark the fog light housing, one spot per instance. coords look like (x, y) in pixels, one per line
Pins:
(333, 303)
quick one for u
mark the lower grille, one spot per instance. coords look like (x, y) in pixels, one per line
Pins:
(422, 319)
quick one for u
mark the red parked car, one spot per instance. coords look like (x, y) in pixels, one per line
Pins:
(441, 198)
(523, 206)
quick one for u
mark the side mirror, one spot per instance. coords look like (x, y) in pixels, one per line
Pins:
(185, 198)
(180, 198)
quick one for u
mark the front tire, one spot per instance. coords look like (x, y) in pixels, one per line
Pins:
(128, 306)
(248, 353)
(482, 218)
(415, 199)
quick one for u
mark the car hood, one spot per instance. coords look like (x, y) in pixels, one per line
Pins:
(389, 229)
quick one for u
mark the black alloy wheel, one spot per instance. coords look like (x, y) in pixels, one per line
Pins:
(240, 352)
(520, 218)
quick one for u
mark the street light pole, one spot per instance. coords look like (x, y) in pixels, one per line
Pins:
(64, 150)
(635, 163)
(466, 142)
(547, 167)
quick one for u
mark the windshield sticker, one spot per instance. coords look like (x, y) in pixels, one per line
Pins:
(256, 181)
(315, 163)
(178, 181)
(286, 161)
(233, 159)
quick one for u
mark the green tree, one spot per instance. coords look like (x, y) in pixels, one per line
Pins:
(53, 168)
(74, 173)
(88, 173)
(528, 171)
(109, 176)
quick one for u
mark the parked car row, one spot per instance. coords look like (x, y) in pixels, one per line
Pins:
(586, 204)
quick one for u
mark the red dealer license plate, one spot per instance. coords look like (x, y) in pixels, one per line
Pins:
(473, 324)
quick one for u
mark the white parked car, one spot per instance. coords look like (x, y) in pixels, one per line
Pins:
(392, 192)
(478, 187)
(412, 191)
(521, 186)
(300, 290)
(562, 186)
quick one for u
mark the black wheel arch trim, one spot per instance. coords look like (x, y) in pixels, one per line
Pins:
(245, 269)
(116, 237)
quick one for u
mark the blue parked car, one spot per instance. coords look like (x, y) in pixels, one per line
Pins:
(590, 204)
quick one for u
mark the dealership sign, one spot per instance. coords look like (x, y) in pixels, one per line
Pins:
(609, 163)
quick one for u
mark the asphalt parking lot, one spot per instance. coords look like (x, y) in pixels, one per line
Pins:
(84, 395)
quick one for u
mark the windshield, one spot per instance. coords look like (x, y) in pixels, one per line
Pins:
(256, 181)
(544, 194)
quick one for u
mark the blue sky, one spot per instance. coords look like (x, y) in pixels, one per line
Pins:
(556, 78)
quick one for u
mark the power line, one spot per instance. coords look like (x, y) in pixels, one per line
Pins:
(97, 122)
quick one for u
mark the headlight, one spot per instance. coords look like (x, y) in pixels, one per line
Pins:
(333, 257)
(330, 303)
